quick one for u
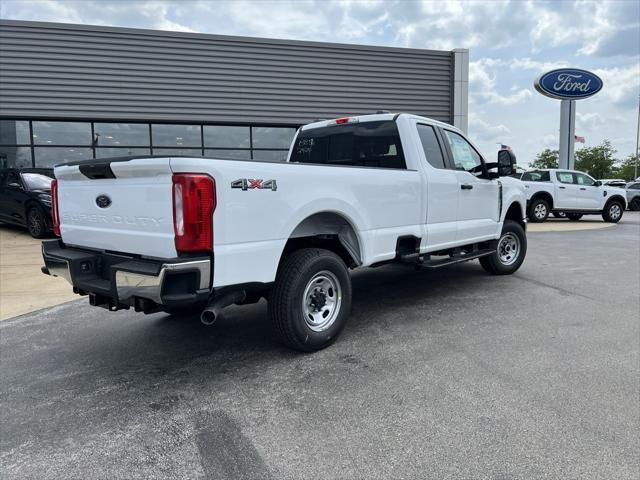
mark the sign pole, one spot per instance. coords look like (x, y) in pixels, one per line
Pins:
(567, 133)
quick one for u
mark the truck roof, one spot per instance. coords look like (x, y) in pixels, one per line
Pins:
(376, 117)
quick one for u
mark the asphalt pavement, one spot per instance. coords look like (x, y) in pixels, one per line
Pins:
(439, 374)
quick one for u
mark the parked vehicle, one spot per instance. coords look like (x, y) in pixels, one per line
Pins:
(25, 199)
(614, 182)
(572, 193)
(181, 233)
(633, 195)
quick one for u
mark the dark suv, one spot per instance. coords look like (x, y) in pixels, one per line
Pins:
(25, 199)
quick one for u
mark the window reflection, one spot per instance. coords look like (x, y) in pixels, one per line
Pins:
(18, 157)
(226, 136)
(14, 132)
(121, 152)
(51, 156)
(176, 135)
(231, 154)
(272, 137)
(61, 133)
(122, 134)
(270, 155)
(189, 152)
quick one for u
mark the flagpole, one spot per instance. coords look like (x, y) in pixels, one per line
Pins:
(635, 175)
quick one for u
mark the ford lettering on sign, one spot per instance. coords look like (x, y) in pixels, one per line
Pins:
(568, 84)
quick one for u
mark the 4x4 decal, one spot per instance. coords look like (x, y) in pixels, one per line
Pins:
(250, 183)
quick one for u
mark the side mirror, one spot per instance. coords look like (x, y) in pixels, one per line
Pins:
(506, 163)
(597, 184)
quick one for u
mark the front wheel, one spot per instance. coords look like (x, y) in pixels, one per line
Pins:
(311, 299)
(612, 212)
(510, 252)
(634, 205)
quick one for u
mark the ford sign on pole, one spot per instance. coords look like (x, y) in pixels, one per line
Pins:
(568, 85)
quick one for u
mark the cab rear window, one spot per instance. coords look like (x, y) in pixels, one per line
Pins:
(367, 144)
(535, 177)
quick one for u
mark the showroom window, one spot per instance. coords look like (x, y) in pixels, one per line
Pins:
(15, 144)
(38, 143)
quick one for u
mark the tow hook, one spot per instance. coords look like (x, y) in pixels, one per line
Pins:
(212, 312)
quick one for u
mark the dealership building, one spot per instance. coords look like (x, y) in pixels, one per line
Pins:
(70, 92)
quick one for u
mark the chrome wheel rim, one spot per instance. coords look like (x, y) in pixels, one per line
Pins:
(508, 249)
(540, 211)
(615, 211)
(321, 301)
(34, 224)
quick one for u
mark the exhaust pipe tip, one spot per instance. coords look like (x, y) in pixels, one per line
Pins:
(209, 317)
(213, 311)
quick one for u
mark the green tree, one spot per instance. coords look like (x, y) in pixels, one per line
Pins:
(626, 168)
(546, 159)
(596, 161)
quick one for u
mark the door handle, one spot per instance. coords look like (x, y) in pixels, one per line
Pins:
(466, 186)
(562, 188)
(582, 188)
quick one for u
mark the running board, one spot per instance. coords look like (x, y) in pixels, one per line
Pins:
(425, 261)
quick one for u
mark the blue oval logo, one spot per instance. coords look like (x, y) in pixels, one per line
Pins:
(103, 201)
(568, 83)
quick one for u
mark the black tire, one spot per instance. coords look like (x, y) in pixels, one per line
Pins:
(613, 211)
(559, 214)
(538, 210)
(634, 205)
(36, 223)
(574, 217)
(499, 263)
(292, 322)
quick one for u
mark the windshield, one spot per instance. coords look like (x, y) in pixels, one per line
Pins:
(37, 181)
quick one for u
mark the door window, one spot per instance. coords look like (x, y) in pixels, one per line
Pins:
(431, 146)
(582, 179)
(565, 177)
(541, 176)
(464, 155)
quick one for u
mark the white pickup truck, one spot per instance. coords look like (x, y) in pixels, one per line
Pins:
(182, 233)
(571, 193)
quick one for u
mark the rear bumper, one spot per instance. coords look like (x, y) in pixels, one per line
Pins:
(116, 281)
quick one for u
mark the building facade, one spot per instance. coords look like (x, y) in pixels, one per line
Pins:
(70, 92)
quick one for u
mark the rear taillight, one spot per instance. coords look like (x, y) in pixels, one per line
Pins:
(55, 214)
(194, 200)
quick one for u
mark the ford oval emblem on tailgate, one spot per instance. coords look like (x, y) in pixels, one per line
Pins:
(103, 201)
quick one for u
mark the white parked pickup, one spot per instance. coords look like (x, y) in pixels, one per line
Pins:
(571, 193)
(197, 234)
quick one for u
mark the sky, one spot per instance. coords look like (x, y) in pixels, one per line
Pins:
(510, 44)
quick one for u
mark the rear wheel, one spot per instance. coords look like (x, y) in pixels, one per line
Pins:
(311, 299)
(36, 223)
(612, 212)
(510, 252)
(538, 210)
(574, 217)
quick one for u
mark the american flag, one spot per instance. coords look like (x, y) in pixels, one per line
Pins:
(579, 139)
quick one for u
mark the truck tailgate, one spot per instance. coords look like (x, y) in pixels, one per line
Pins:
(130, 212)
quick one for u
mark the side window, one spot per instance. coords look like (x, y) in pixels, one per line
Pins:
(431, 146)
(464, 156)
(564, 177)
(582, 179)
(535, 177)
(634, 186)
